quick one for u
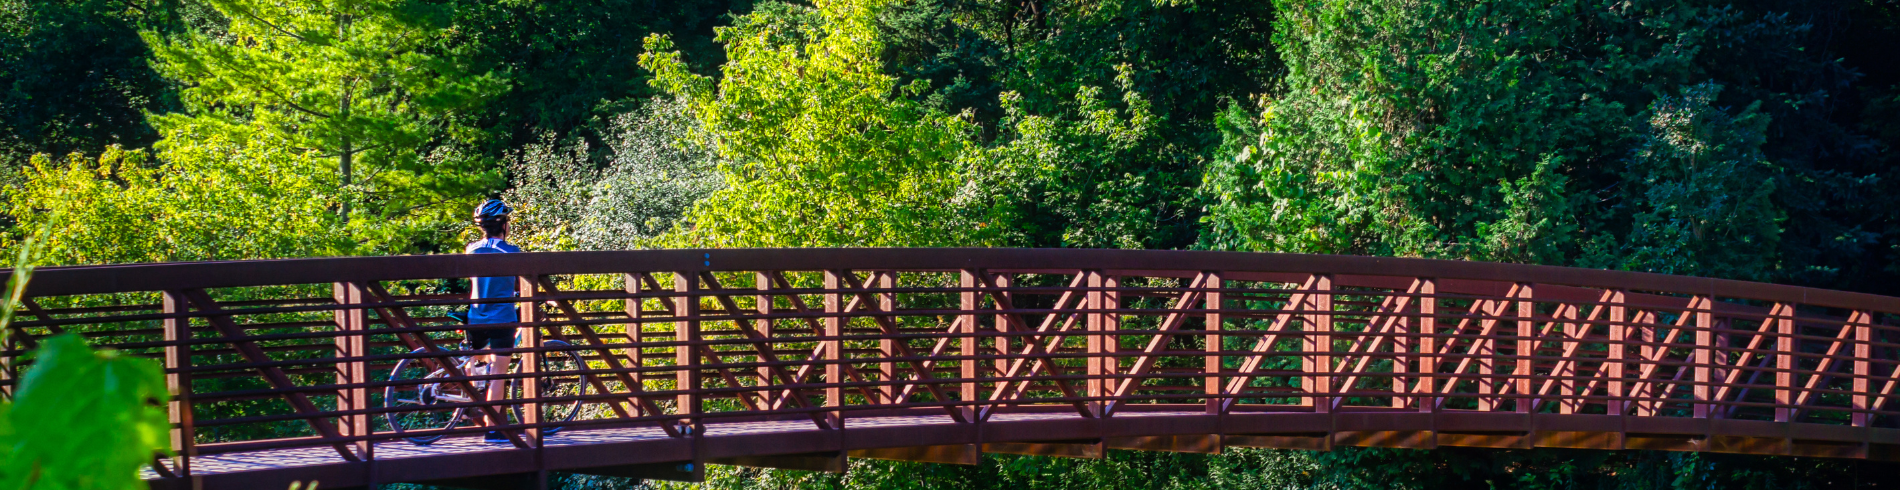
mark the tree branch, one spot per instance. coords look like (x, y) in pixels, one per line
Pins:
(286, 100)
(260, 20)
(356, 151)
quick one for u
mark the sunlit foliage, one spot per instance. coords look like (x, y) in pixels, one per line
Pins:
(343, 82)
(820, 146)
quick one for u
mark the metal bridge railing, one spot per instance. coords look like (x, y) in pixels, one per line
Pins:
(300, 353)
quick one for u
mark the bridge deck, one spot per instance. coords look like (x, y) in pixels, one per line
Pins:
(601, 450)
(627, 446)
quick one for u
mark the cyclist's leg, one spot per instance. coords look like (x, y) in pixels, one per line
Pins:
(497, 364)
(485, 340)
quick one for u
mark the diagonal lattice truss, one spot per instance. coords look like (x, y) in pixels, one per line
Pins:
(277, 359)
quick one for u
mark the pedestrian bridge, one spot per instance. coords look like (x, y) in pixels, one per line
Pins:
(803, 358)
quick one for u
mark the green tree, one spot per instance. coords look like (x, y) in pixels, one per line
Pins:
(75, 76)
(571, 65)
(1705, 189)
(1661, 136)
(1091, 179)
(1239, 468)
(822, 147)
(1502, 131)
(1095, 116)
(659, 163)
(343, 81)
(244, 197)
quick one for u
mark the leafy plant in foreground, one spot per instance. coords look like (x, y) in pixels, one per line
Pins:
(81, 419)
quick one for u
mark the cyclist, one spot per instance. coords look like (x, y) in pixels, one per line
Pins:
(492, 217)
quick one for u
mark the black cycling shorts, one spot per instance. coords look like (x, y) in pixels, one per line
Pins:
(491, 338)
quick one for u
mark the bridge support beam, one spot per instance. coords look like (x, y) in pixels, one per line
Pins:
(1495, 440)
(680, 471)
(1578, 439)
(1062, 449)
(1318, 441)
(1746, 445)
(829, 462)
(963, 454)
(1827, 449)
(1185, 443)
(1662, 442)
(1883, 452)
(1409, 439)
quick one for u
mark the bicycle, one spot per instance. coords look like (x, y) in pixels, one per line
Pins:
(567, 377)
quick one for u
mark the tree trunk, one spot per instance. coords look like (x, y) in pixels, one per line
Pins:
(347, 154)
(346, 157)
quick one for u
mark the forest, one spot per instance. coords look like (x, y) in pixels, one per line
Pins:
(1744, 139)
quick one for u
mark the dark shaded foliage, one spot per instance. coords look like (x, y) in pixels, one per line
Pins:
(571, 65)
(75, 76)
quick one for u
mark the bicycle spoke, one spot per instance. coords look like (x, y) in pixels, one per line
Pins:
(567, 378)
(417, 403)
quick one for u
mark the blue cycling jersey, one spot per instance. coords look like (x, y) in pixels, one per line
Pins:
(492, 287)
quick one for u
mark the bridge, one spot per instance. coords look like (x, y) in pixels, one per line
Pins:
(804, 358)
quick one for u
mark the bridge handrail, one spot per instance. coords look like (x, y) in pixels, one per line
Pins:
(52, 281)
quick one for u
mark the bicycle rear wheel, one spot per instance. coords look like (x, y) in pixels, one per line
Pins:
(417, 400)
(565, 376)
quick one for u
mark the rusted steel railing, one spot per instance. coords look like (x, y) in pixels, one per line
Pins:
(298, 353)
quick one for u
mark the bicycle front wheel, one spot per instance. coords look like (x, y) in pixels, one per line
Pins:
(416, 401)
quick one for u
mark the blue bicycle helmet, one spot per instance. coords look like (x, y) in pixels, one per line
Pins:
(491, 209)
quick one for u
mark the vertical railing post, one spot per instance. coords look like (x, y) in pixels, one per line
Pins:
(1487, 352)
(1618, 355)
(966, 346)
(635, 309)
(887, 370)
(763, 305)
(352, 344)
(1427, 345)
(1096, 372)
(1646, 350)
(1863, 367)
(1720, 367)
(1784, 361)
(1111, 341)
(834, 348)
(1002, 342)
(530, 377)
(1704, 343)
(1526, 349)
(686, 350)
(1318, 343)
(1403, 348)
(1211, 365)
(10, 364)
(9, 369)
(178, 380)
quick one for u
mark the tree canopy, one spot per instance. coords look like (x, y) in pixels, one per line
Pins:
(1750, 140)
